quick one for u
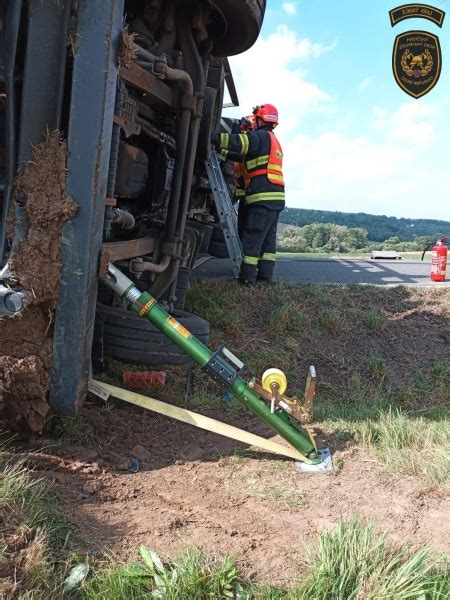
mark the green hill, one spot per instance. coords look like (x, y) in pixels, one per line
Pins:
(379, 227)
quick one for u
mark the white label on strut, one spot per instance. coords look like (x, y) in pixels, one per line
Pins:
(96, 389)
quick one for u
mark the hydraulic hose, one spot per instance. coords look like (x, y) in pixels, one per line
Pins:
(442, 239)
(146, 306)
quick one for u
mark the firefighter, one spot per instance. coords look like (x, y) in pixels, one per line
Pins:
(246, 124)
(264, 193)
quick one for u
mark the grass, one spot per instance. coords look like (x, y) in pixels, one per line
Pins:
(405, 428)
(376, 320)
(376, 366)
(280, 318)
(352, 561)
(194, 575)
(363, 398)
(70, 428)
(342, 255)
(32, 536)
(273, 482)
(406, 443)
(329, 320)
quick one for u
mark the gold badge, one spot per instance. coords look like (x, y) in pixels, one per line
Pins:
(416, 62)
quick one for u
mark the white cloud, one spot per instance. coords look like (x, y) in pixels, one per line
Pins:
(411, 122)
(397, 173)
(273, 71)
(289, 8)
(365, 83)
(390, 167)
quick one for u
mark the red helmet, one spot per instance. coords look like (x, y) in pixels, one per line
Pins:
(267, 113)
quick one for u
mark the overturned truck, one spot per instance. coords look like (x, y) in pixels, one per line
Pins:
(106, 114)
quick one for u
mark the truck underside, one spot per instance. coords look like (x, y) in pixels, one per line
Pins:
(106, 114)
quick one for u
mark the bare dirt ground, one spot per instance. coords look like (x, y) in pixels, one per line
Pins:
(198, 488)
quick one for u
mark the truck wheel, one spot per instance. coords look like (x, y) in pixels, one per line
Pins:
(218, 249)
(132, 339)
(217, 245)
(244, 20)
(217, 234)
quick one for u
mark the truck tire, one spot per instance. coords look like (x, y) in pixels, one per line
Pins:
(218, 249)
(132, 339)
(244, 20)
(217, 245)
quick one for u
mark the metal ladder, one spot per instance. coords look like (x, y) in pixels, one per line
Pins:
(225, 210)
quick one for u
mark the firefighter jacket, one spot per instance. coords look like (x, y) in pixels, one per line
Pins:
(239, 171)
(264, 183)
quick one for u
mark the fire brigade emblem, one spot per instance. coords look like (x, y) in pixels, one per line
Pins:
(416, 62)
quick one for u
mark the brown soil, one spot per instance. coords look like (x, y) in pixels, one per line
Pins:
(195, 487)
(264, 329)
(26, 339)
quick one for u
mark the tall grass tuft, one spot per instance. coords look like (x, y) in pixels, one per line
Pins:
(31, 534)
(408, 443)
(413, 445)
(353, 562)
(376, 320)
(195, 575)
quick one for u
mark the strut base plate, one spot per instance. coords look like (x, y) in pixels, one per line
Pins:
(323, 467)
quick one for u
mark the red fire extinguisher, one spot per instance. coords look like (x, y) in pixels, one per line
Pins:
(438, 259)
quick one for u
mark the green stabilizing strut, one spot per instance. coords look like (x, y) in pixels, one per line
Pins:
(147, 307)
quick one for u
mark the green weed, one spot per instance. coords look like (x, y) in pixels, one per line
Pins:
(408, 443)
(195, 575)
(376, 366)
(70, 428)
(280, 319)
(376, 320)
(353, 562)
(300, 322)
(329, 320)
(32, 533)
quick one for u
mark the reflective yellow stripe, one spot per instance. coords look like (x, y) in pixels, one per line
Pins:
(268, 256)
(256, 162)
(224, 140)
(274, 177)
(239, 192)
(251, 260)
(224, 153)
(243, 138)
(274, 167)
(265, 197)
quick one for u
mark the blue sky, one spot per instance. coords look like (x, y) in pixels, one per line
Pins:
(353, 140)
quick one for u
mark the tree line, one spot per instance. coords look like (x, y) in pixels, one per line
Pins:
(379, 227)
(329, 237)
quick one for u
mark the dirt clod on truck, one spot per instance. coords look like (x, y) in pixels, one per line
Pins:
(36, 265)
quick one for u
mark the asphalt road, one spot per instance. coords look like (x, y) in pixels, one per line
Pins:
(375, 272)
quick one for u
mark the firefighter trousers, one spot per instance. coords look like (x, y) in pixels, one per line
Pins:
(242, 211)
(259, 243)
